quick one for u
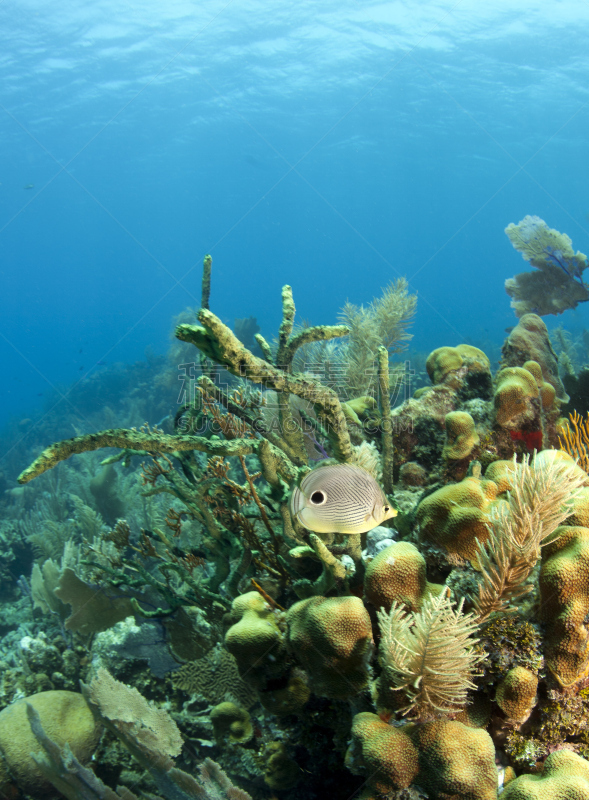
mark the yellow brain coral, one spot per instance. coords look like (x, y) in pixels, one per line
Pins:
(461, 436)
(65, 717)
(515, 387)
(516, 693)
(564, 603)
(564, 776)
(445, 361)
(332, 639)
(396, 573)
(529, 341)
(455, 516)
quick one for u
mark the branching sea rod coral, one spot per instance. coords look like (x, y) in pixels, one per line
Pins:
(575, 439)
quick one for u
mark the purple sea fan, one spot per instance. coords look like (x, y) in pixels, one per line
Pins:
(558, 284)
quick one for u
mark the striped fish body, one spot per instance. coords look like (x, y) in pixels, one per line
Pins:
(340, 498)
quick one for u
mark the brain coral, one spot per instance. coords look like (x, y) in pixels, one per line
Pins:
(516, 693)
(255, 639)
(454, 363)
(529, 341)
(454, 516)
(65, 717)
(564, 603)
(515, 387)
(332, 638)
(565, 776)
(455, 761)
(461, 436)
(386, 755)
(396, 573)
(214, 676)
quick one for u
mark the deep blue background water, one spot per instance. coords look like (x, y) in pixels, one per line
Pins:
(330, 145)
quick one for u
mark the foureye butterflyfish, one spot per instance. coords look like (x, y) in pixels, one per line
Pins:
(340, 498)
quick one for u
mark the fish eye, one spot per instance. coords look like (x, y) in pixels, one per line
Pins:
(387, 509)
(318, 497)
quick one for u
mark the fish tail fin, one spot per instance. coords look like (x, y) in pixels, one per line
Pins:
(297, 502)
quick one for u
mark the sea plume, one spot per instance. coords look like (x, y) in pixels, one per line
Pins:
(429, 656)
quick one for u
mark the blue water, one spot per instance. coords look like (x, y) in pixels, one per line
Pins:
(330, 145)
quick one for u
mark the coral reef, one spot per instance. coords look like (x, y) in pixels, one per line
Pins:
(228, 651)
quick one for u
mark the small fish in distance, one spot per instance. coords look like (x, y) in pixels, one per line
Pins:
(340, 498)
